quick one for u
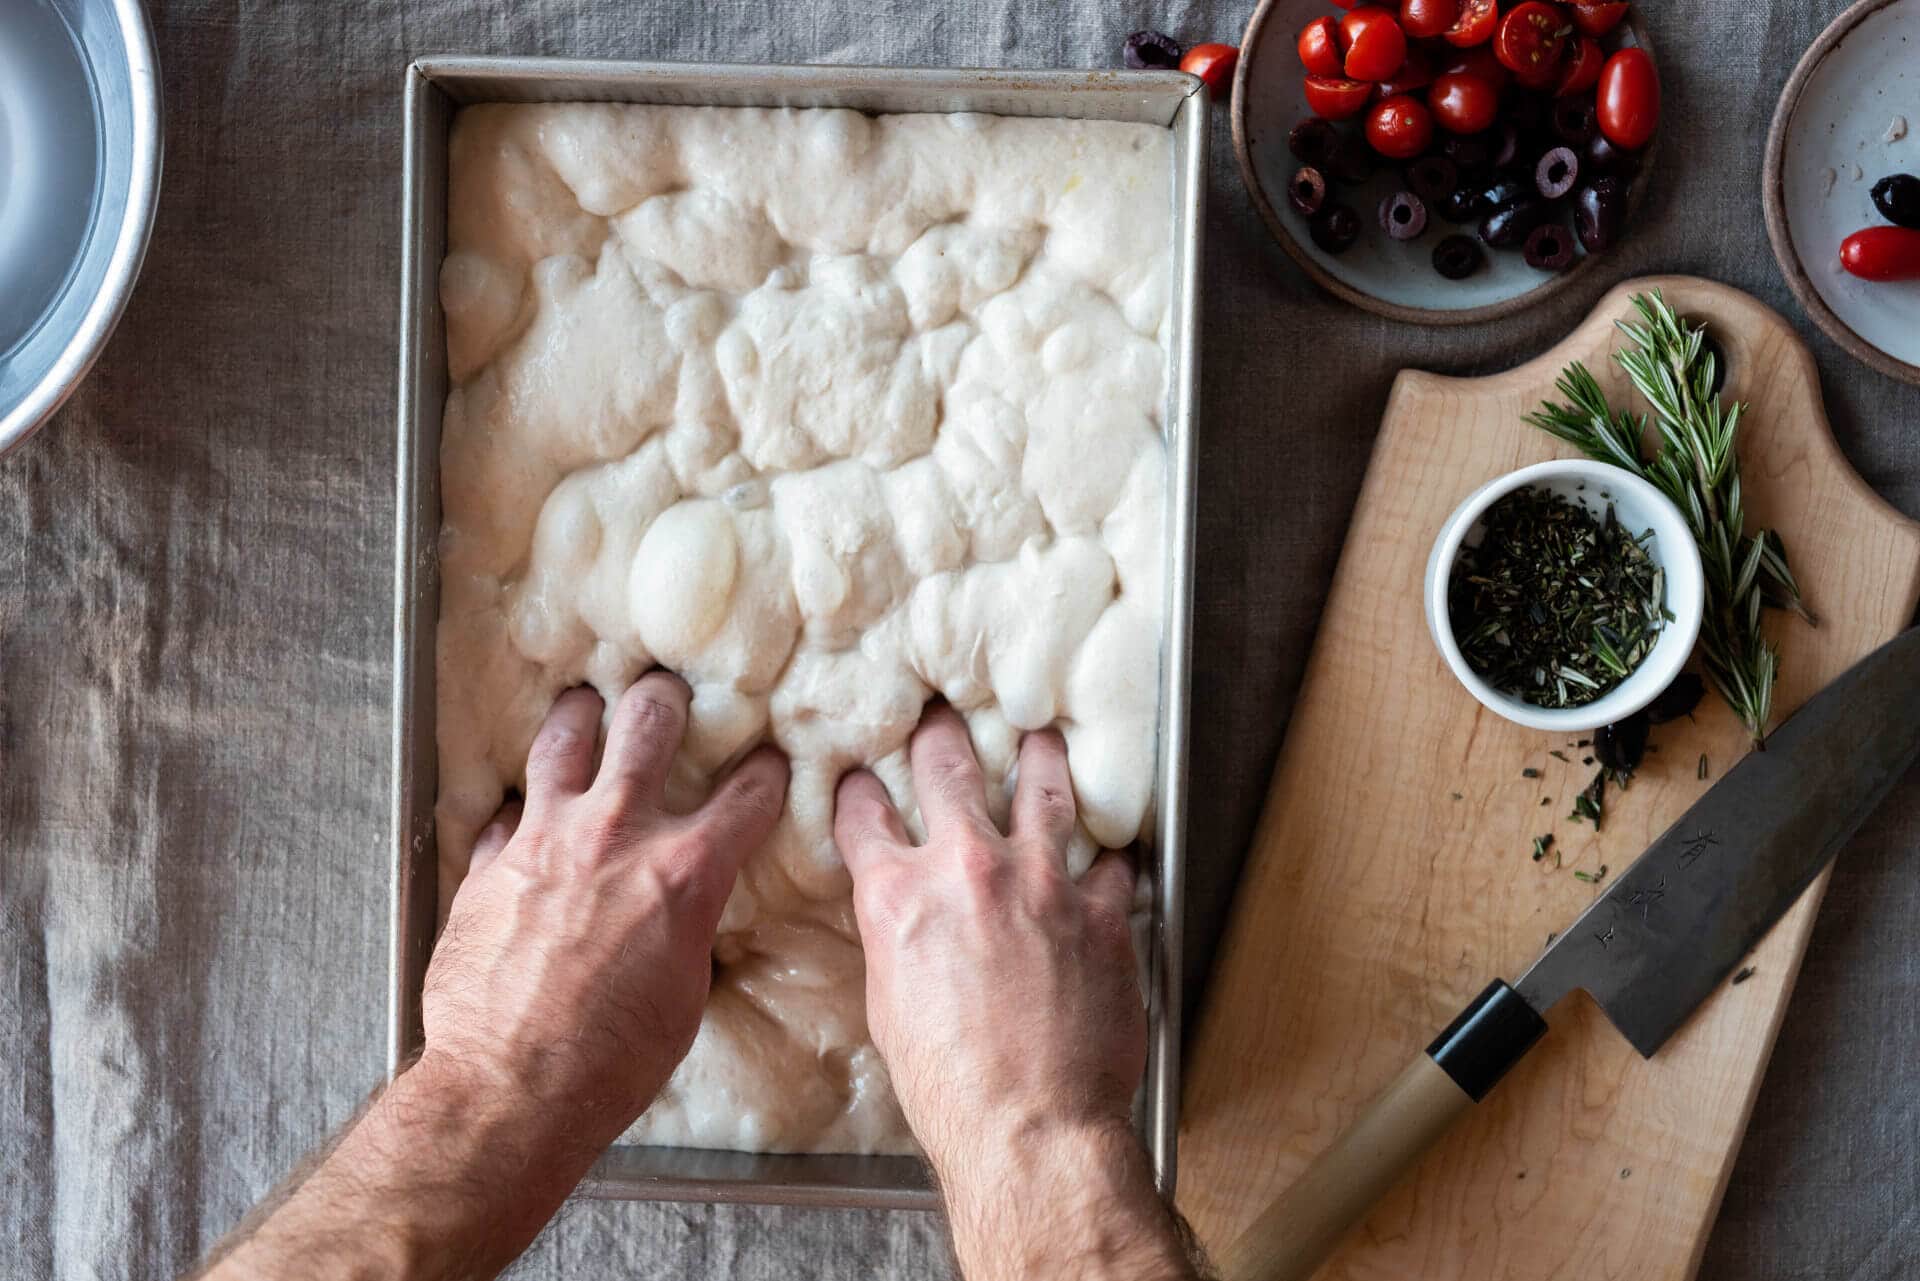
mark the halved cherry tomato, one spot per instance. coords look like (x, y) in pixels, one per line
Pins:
(1213, 63)
(1423, 19)
(1415, 73)
(1320, 51)
(1628, 99)
(1530, 41)
(1332, 98)
(1479, 61)
(1463, 103)
(1882, 253)
(1400, 127)
(1598, 19)
(1582, 67)
(1475, 24)
(1375, 44)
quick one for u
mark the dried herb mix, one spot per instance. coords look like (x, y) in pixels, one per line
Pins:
(1555, 607)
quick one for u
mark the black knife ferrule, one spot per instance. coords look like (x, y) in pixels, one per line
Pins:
(1489, 1037)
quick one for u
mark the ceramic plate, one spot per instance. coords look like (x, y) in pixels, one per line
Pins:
(1850, 116)
(1394, 278)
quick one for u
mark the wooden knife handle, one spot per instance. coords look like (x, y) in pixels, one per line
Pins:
(1293, 1236)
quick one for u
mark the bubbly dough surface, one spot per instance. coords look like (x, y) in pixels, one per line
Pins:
(830, 414)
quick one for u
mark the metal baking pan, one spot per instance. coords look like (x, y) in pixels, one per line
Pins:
(435, 89)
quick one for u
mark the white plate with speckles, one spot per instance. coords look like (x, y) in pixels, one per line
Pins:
(1850, 115)
(1392, 278)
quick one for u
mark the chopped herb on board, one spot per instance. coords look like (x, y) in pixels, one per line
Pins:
(1541, 844)
(1554, 606)
(1529, 772)
(1591, 878)
(1746, 972)
(1559, 755)
(1701, 773)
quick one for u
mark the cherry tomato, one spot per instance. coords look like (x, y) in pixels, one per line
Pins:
(1475, 24)
(1530, 41)
(1214, 64)
(1628, 99)
(1375, 44)
(1415, 73)
(1320, 51)
(1479, 61)
(1598, 19)
(1345, 4)
(1463, 103)
(1423, 19)
(1582, 67)
(1882, 253)
(1400, 127)
(1332, 98)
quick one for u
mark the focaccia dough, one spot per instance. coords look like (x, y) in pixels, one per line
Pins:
(830, 414)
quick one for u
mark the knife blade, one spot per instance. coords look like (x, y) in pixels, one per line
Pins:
(1649, 950)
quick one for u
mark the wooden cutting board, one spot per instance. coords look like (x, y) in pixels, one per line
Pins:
(1391, 875)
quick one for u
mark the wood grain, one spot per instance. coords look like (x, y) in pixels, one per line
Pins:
(1374, 904)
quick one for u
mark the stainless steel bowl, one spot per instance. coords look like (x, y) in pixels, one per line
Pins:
(68, 259)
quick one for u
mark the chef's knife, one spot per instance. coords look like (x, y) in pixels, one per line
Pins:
(1648, 951)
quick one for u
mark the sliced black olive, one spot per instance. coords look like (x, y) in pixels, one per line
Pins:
(1335, 228)
(1677, 700)
(1549, 247)
(1622, 745)
(1897, 197)
(1352, 161)
(1575, 121)
(1557, 172)
(1456, 257)
(1403, 215)
(1149, 50)
(1509, 227)
(1471, 153)
(1508, 149)
(1462, 204)
(1307, 191)
(1432, 177)
(1600, 213)
(1312, 142)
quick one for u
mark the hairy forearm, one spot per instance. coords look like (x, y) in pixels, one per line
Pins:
(441, 1179)
(1073, 1202)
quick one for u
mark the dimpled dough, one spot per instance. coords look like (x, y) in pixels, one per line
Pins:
(830, 414)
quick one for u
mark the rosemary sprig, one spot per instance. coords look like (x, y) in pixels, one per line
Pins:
(1695, 465)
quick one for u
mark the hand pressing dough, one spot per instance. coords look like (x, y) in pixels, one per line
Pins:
(830, 414)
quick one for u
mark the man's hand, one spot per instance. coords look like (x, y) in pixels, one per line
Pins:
(566, 987)
(1002, 997)
(575, 960)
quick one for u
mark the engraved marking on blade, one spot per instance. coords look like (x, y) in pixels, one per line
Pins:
(1606, 940)
(1644, 899)
(1697, 847)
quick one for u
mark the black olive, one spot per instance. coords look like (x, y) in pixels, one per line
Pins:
(1307, 191)
(1623, 744)
(1549, 247)
(1677, 700)
(1507, 189)
(1457, 257)
(1432, 177)
(1335, 228)
(1600, 213)
(1471, 154)
(1606, 157)
(1352, 161)
(1897, 197)
(1462, 204)
(1509, 227)
(1575, 121)
(1557, 172)
(1150, 50)
(1312, 142)
(1403, 215)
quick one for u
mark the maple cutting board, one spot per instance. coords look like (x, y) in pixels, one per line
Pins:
(1392, 875)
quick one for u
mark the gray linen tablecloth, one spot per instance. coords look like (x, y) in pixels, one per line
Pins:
(194, 604)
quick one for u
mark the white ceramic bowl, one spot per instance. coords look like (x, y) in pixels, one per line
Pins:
(1639, 506)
